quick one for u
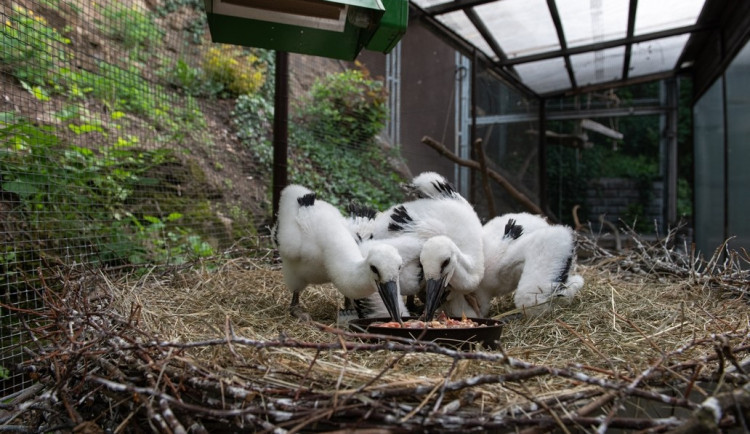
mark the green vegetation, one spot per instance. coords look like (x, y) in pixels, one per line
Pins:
(133, 28)
(238, 72)
(91, 182)
(348, 107)
(332, 139)
(636, 157)
(31, 48)
(196, 27)
(84, 195)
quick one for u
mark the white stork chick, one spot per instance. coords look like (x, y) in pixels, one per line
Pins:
(536, 263)
(438, 238)
(432, 185)
(316, 246)
(447, 235)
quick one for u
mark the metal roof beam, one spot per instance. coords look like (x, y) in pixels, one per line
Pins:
(491, 41)
(460, 44)
(552, 6)
(573, 114)
(613, 83)
(607, 44)
(629, 46)
(455, 6)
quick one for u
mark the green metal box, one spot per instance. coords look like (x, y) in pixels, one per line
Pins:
(338, 29)
(392, 26)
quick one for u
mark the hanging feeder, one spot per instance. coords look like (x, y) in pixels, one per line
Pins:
(338, 29)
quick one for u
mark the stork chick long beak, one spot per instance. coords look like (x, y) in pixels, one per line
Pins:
(389, 292)
(435, 290)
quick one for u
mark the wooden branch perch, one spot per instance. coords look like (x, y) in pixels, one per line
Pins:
(504, 183)
(479, 151)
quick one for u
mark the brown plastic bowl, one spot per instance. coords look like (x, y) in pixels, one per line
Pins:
(458, 337)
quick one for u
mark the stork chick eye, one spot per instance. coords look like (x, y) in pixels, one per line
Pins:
(445, 264)
(374, 269)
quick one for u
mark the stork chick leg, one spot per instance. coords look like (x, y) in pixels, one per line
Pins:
(348, 313)
(411, 305)
(298, 311)
(471, 300)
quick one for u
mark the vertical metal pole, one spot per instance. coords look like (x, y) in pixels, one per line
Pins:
(725, 127)
(543, 157)
(671, 187)
(393, 80)
(473, 134)
(461, 118)
(280, 127)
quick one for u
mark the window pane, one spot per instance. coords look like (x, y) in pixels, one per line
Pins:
(738, 129)
(708, 127)
(656, 56)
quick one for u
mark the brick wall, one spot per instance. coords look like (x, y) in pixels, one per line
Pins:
(613, 196)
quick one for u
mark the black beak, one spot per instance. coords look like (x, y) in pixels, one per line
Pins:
(389, 293)
(435, 289)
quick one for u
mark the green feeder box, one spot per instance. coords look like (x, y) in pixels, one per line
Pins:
(339, 29)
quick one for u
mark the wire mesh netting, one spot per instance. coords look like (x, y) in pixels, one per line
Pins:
(129, 140)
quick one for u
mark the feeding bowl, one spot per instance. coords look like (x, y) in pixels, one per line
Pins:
(487, 332)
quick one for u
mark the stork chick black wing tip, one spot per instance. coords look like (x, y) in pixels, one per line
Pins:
(399, 219)
(306, 200)
(513, 230)
(446, 188)
(358, 210)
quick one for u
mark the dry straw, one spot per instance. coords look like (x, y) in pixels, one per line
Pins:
(654, 333)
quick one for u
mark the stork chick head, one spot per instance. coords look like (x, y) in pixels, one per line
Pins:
(438, 259)
(384, 266)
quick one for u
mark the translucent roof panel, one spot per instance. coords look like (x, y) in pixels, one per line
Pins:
(461, 25)
(588, 21)
(598, 66)
(655, 15)
(544, 75)
(657, 55)
(521, 27)
(595, 33)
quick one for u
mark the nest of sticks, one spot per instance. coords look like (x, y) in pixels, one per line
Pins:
(657, 341)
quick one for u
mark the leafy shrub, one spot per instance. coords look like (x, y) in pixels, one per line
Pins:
(183, 76)
(238, 72)
(349, 105)
(322, 154)
(31, 48)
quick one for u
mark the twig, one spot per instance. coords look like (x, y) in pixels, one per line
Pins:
(504, 183)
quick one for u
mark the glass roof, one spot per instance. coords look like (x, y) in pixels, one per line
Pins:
(558, 45)
(589, 21)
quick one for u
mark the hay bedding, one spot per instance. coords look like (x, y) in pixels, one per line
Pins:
(646, 341)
